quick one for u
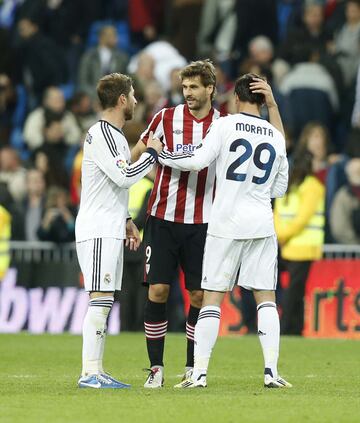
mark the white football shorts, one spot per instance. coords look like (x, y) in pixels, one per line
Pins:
(101, 262)
(252, 263)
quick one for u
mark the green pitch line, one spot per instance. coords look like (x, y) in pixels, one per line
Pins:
(38, 377)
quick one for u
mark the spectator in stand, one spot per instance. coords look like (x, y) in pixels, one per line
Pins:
(155, 99)
(174, 94)
(255, 17)
(345, 209)
(347, 42)
(53, 104)
(40, 62)
(165, 57)
(12, 173)
(312, 32)
(355, 118)
(58, 222)
(56, 152)
(8, 100)
(75, 179)
(309, 91)
(217, 29)
(81, 105)
(33, 204)
(315, 139)
(101, 60)
(145, 18)
(184, 22)
(299, 224)
(144, 70)
(224, 90)
(261, 53)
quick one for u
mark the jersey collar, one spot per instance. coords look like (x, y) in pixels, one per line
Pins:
(254, 116)
(114, 127)
(187, 113)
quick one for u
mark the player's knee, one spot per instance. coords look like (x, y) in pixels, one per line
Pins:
(159, 293)
(196, 298)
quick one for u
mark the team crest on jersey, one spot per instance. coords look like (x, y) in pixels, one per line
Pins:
(88, 138)
(107, 278)
(121, 163)
(147, 268)
(177, 131)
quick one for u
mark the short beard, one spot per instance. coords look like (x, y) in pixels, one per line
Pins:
(128, 114)
(199, 104)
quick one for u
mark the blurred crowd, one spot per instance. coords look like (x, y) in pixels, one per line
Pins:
(54, 52)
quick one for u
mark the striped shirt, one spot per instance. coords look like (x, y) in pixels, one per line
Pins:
(106, 176)
(183, 197)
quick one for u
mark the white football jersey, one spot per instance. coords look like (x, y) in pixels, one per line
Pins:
(106, 175)
(251, 168)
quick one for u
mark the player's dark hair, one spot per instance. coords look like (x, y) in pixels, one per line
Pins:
(203, 68)
(110, 87)
(242, 89)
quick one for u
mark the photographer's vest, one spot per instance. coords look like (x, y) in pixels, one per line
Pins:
(137, 194)
(306, 245)
(5, 234)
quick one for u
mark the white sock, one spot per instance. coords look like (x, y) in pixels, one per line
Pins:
(206, 332)
(94, 333)
(269, 335)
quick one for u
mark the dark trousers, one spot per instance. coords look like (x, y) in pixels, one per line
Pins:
(132, 297)
(292, 320)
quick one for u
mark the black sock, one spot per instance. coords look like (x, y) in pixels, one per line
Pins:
(190, 332)
(155, 323)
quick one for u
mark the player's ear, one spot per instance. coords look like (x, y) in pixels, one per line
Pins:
(122, 99)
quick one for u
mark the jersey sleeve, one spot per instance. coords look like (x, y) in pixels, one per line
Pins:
(115, 166)
(156, 126)
(280, 184)
(205, 153)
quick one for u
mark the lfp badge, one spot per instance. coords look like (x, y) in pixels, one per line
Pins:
(121, 164)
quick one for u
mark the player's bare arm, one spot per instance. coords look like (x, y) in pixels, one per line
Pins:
(137, 151)
(262, 87)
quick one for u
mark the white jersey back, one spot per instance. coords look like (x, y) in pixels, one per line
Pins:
(106, 175)
(251, 168)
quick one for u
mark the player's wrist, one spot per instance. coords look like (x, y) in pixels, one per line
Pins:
(153, 153)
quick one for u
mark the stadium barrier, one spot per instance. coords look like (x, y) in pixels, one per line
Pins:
(42, 292)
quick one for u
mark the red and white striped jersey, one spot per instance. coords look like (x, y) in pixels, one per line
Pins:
(177, 196)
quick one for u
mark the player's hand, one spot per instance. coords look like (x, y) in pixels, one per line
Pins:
(154, 143)
(259, 86)
(133, 239)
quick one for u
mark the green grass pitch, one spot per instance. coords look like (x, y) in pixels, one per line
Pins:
(39, 374)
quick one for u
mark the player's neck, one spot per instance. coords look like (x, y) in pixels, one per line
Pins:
(251, 109)
(114, 117)
(201, 113)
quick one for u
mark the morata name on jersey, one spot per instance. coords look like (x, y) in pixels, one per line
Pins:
(254, 129)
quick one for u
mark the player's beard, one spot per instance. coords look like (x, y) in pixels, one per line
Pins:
(129, 112)
(197, 103)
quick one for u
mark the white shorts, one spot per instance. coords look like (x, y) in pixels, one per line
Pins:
(252, 262)
(101, 262)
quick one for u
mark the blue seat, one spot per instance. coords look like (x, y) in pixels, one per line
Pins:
(122, 29)
(67, 89)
